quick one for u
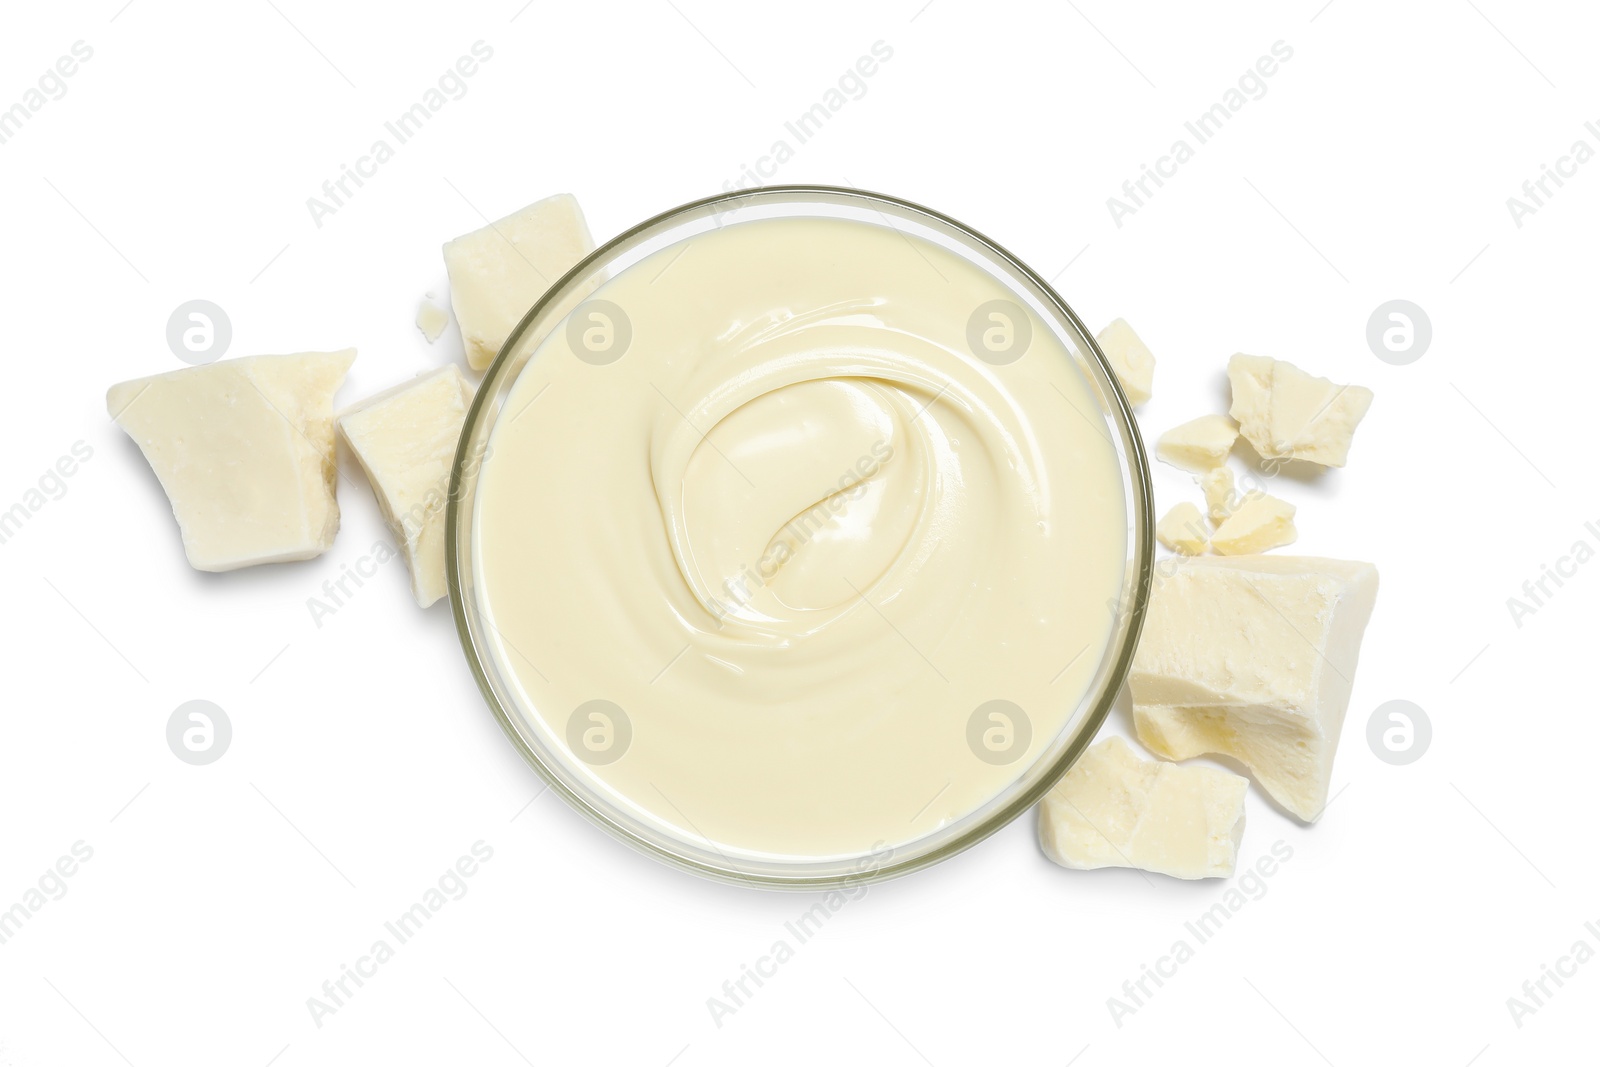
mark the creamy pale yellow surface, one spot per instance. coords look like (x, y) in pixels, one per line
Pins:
(775, 509)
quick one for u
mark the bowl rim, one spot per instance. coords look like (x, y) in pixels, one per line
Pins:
(1141, 515)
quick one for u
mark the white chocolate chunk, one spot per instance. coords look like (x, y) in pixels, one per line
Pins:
(1199, 444)
(1314, 419)
(1259, 523)
(1253, 657)
(1135, 367)
(1113, 809)
(244, 451)
(1250, 379)
(405, 438)
(1217, 485)
(1183, 529)
(1286, 413)
(431, 320)
(499, 272)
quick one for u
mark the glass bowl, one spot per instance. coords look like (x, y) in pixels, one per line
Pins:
(557, 766)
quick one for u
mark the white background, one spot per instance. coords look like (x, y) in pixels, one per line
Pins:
(363, 762)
